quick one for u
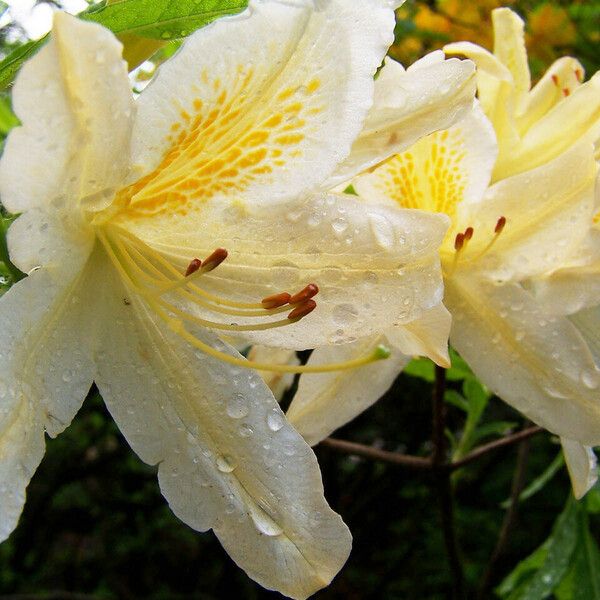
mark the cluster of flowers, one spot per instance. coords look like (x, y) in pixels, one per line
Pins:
(275, 186)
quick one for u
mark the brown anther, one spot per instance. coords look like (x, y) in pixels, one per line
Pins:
(194, 265)
(276, 300)
(500, 225)
(215, 259)
(308, 292)
(579, 75)
(468, 234)
(566, 92)
(302, 310)
(555, 80)
(459, 241)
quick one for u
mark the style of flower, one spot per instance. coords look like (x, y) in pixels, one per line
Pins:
(127, 208)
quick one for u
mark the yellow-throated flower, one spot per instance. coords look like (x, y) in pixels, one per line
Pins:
(148, 227)
(501, 235)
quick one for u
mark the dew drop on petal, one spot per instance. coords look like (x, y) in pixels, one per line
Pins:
(275, 420)
(225, 464)
(237, 407)
(264, 524)
(245, 430)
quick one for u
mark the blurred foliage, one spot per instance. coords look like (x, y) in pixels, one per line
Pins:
(95, 522)
(553, 29)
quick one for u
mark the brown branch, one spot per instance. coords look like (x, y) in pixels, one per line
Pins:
(510, 518)
(422, 463)
(505, 441)
(405, 460)
(443, 485)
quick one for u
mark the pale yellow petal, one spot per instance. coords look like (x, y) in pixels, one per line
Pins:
(45, 372)
(575, 119)
(548, 211)
(326, 401)
(430, 95)
(227, 459)
(75, 104)
(536, 362)
(278, 383)
(426, 336)
(374, 266)
(509, 48)
(253, 108)
(582, 466)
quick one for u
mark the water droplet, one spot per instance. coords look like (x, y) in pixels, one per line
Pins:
(225, 464)
(275, 420)
(382, 230)
(67, 376)
(339, 225)
(166, 35)
(589, 379)
(245, 430)
(237, 407)
(343, 314)
(265, 524)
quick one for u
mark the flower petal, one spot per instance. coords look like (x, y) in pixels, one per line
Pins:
(537, 363)
(254, 108)
(228, 460)
(440, 173)
(278, 383)
(374, 266)
(326, 401)
(509, 48)
(425, 336)
(575, 119)
(431, 94)
(75, 104)
(582, 465)
(548, 211)
(45, 372)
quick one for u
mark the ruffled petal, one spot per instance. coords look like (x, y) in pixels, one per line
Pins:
(430, 95)
(537, 363)
(326, 401)
(548, 212)
(582, 465)
(253, 108)
(74, 101)
(45, 372)
(227, 459)
(375, 266)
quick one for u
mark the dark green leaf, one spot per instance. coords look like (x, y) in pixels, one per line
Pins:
(422, 368)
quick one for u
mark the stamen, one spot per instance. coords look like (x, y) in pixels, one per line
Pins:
(579, 75)
(302, 310)
(215, 259)
(276, 300)
(459, 241)
(566, 92)
(500, 225)
(308, 292)
(158, 305)
(555, 80)
(468, 234)
(194, 265)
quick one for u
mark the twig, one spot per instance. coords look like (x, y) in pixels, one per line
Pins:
(505, 441)
(422, 463)
(510, 518)
(406, 460)
(443, 484)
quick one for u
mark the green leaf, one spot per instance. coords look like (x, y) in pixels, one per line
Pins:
(539, 482)
(582, 582)
(9, 268)
(524, 570)
(422, 368)
(8, 120)
(459, 370)
(163, 19)
(495, 428)
(12, 63)
(539, 583)
(156, 19)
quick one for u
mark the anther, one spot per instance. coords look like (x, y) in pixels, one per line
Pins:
(579, 75)
(555, 80)
(468, 234)
(302, 310)
(459, 241)
(308, 292)
(500, 225)
(276, 300)
(214, 260)
(194, 265)
(566, 92)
